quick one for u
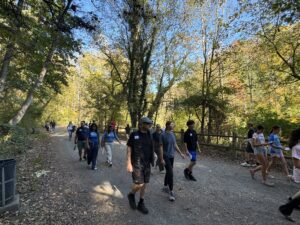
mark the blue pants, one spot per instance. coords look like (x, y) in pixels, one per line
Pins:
(93, 153)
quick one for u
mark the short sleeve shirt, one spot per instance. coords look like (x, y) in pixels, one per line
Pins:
(260, 138)
(82, 133)
(141, 148)
(94, 137)
(276, 141)
(250, 133)
(169, 143)
(296, 151)
(190, 138)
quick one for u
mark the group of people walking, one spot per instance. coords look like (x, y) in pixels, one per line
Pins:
(87, 140)
(142, 147)
(260, 148)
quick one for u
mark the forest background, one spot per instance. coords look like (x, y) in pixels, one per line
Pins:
(221, 63)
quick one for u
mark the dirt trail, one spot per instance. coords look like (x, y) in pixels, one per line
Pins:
(223, 194)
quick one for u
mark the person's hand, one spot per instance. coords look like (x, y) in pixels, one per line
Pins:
(75, 142)
(162, 162)
(199, 151)
(187, 153)
(129, 168)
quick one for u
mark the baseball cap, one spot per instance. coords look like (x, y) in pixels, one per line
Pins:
(146, 120)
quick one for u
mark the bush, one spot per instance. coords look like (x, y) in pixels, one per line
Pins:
(14, 140)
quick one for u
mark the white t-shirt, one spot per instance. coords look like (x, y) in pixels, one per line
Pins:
(260, 138)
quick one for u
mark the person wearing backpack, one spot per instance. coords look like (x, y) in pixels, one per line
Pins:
(107, 142)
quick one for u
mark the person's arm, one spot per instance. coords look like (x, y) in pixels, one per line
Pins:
(257, 144)
(186, 149)
(129, 164)
(178, 150)
(198, 147)
(117, 138)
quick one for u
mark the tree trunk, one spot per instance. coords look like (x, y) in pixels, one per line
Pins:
(22, 111)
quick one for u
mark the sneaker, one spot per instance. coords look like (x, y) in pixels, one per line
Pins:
(131, 199)
(245, 164)
(94, 168)
(191, 177)
(288, 217)
(271, 176)
(253, 165)
(267, 183)
(186, 173)
(142, 208)
(166, 189)
(110, 165)
(172, 196)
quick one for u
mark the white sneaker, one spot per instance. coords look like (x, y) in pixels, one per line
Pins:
(172, 196)
(270, 176)
(269, 184)
(245, 164)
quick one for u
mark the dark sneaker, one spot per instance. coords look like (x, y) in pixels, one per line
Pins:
(131, 199)
(192, 177)
(186, 173)
(142, 208)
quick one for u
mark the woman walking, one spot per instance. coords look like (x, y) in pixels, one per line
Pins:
(93, 146)
(70, 129)
(259, 147)
(276, 151)
(294, 144)
(108, 141)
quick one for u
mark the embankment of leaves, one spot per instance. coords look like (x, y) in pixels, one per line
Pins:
(15, 140)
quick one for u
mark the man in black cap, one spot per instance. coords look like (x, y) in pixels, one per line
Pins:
(140, 156)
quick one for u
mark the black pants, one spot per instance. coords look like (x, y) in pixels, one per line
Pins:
(169, 172)
(288, 208)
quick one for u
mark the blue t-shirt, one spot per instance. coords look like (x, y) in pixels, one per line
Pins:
(109, 137)
(94, 137)
(276, 142)
(169, 143)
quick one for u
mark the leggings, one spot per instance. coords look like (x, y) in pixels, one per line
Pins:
(169, 172)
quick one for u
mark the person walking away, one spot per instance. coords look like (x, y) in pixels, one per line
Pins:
(81, 140)
(140, 156)
(259, 147)
(127, 131)
(107, 141)
(276, 151)
(157, 147)
(288, 208)
(294, 144)
(70, 130)
(191, 148)
(249, 153)
(93, 145)
(53, 125)
(169, 147)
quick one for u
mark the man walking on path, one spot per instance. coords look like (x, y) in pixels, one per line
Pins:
(169, 148)
(140, 156)
(81, 140)
(93, 145)
(157, 147)
(191, 146)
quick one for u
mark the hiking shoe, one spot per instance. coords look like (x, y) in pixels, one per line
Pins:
(186, 173)
(267, 183)
(172, 196)
(191, 177)
(288, 217)
(166, 189)
(245, 164)
(142, 208)
(131, 199)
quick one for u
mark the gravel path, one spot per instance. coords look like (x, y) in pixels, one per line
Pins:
(223, 194)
